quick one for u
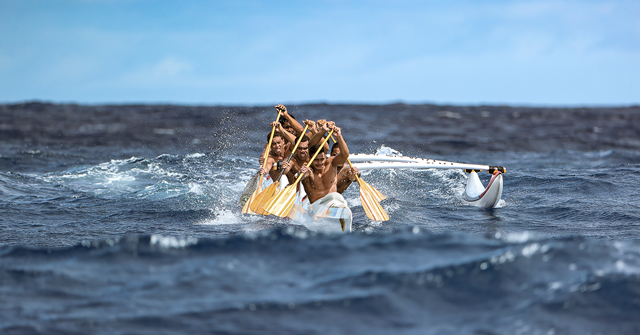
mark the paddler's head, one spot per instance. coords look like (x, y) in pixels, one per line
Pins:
(335, 150)
(302, 153)
(320, 160)
(277, 144)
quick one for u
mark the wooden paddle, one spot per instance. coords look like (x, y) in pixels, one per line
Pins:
(258, 203)
(247, 206)
(282, 203)
(370, 198)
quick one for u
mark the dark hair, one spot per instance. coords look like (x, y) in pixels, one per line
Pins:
(305, 138)
(276, 134)
(335, 145)
(315, 148)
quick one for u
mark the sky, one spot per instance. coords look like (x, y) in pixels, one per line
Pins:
(249, 53)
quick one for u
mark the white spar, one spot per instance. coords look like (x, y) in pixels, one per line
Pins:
(475, 193)
(400, 162)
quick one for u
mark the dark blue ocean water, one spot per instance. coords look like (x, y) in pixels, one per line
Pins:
(157, 245)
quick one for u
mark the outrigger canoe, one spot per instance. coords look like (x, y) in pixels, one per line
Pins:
(475, 193)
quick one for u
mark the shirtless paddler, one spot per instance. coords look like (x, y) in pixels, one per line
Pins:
(275, 156)
(319, 180)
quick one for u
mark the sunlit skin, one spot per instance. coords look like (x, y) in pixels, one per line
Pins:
(346, 174)
(300, 158)
(288, 127)
(290, 124)
(288, 141)
(320, 178)
(275, 155)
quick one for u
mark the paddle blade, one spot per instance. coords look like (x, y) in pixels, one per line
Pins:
(282, 203)
(258, 204)
(375, 194)
(246, 209)
(251, 187)
(247, 206)
(371, 207)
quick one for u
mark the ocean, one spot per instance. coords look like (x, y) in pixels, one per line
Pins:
(124, 219)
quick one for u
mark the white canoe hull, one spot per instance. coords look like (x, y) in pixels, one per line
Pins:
(337, 221)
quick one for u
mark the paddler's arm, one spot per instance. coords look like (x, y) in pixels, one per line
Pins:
(341, 158)
(294, 123)
(319, 136)
(286, 135)
(267, 168)
(306, 171)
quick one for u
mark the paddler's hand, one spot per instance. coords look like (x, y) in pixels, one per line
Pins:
(312, 126)
(281, 109)
(278, 125)
(320, 123)
(263, 171)
(324, 126)
(305, 170)
(352, 173)
(286, 166)
(337, 132)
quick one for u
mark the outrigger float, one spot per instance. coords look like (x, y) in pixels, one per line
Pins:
(475, 193)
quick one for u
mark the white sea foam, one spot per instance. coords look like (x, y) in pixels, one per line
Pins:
(384, 150)
(195, 155)
(224, 217)
(195, 188)
(519, 237)
(171, 241)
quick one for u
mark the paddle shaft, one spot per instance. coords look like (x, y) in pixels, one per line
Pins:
(266, 152)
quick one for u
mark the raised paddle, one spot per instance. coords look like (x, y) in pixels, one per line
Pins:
(258, 203)
(247, 206)
(282, 203)
(370, 198)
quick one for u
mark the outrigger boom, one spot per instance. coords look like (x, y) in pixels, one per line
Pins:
(475, 193)
(421, 163)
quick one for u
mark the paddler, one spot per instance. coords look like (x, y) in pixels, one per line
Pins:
(287, 144)
(276, 154)
(320, 178)
(299, 159)
(346, 173)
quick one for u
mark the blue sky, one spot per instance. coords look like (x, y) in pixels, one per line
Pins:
(266, 52)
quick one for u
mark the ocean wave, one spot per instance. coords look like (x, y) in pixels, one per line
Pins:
(400, 275)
